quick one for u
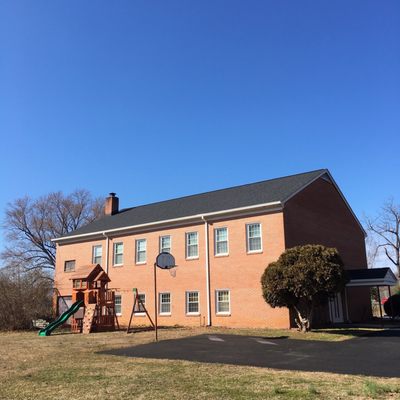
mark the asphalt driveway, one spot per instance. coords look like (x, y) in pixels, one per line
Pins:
(376, 354)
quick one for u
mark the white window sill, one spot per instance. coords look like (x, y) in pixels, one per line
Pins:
(139, 314)
(193, 314)
(192, 258)
(255, 252)
(118, 314)
(222, 255)
(223, 314)
(165, 314)
(141, 263)
(118, 265)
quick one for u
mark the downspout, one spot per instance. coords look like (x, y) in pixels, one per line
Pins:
(107, 250)
(207, 264)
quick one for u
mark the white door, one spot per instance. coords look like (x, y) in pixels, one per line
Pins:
(336, 308)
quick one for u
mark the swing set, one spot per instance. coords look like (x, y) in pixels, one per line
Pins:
(163, 261)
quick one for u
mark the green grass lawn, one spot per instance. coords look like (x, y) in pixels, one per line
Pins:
(66, 366)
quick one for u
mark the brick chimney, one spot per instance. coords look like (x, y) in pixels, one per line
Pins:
(112, 204)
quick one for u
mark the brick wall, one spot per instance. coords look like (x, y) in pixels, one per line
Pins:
(239, 272)
(318, 215)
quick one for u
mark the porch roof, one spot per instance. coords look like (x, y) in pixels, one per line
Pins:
(371, 277)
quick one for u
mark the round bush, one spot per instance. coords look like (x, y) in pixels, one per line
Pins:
(392, 306)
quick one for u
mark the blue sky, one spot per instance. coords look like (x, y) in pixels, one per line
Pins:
(159, 99)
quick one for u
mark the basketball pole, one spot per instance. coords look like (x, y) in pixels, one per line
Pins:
(155, 301)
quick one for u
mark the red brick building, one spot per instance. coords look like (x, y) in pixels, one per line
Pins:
(222, 242)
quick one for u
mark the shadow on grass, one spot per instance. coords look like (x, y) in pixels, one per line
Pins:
(361, 332)
(345, 331)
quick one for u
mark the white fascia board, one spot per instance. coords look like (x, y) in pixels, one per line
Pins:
(272, 206)
(326, 171)
(371, 282)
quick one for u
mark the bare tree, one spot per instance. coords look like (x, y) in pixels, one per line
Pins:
(24, 296)
(385, 228)
(31, 224)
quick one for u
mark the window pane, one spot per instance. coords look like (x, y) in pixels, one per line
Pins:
(118, 304)
(97, 253)
(254, 244)
(254, 237)
(165, 303)
(118, 253)
(254, 230)
(192, 248)
(69, 266)
(222, 248)
(223, 301)
(192, 301)
(221, 241)
(165, 244)
(141, 245)
(222, 234)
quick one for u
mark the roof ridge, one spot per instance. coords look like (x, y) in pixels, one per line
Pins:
(220, 190)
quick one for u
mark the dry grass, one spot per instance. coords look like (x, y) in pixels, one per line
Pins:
(65, 366)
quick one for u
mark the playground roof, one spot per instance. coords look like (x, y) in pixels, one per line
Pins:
(90, 273)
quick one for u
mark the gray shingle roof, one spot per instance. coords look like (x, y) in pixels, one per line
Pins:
(268, 191)
(371, 273)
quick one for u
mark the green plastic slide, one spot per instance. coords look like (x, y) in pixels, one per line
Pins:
(61, 319)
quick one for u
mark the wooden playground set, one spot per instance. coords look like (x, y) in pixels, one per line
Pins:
(93, 304)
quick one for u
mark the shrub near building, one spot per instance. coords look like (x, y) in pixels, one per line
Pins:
(302, 278)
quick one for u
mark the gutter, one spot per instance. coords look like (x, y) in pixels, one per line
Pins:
(272, 206)
(207, 265)
(107, 250)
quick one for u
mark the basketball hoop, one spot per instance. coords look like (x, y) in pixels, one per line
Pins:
(165, 261)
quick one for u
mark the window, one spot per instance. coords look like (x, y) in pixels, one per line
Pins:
(76, 283)
(141, 245)
(69, 266)
(139, 309)
(221, 241)
(223, 302)
(253, 238)
(118, 253)
(192, 245)
(118, 304)
(165, 303)
(192, 303)
(165, 244)
(96, 254)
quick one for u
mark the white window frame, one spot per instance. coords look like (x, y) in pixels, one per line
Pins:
(141, 313)
(69, 261)
(94, 254)
(217, 302)
(248, 238)
(215, 241)
(160, 303)
(187, 302)
(118, 314)
(115, 254)
(170, 243)
(187, 245)
(137, 241)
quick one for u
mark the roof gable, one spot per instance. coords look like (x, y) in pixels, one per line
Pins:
(90, 273)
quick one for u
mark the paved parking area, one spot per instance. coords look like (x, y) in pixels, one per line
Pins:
(376, 354)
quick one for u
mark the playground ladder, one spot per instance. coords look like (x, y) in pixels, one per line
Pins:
(88, 318)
